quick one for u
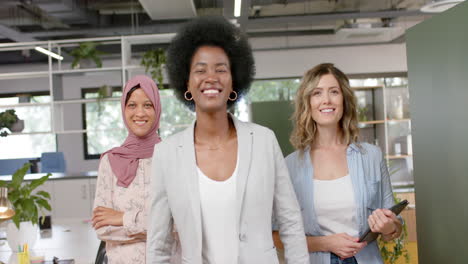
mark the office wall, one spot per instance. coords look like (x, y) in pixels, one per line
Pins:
(438, 79)
(269, 64)
(386, 58)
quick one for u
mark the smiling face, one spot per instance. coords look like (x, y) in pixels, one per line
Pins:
(210, 80)
(139, 113)
(326, 101)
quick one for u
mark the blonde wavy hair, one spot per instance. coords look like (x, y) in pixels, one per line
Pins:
(305, 128)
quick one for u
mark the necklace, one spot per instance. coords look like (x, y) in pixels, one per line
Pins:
(219, 145)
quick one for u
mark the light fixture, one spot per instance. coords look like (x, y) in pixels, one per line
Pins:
(237, 8)
(49, 53)
(6, 208)
(439, 6)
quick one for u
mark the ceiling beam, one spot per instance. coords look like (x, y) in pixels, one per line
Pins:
(245, 13)
(247, 24)
(169, 9)
(68, 10)
(300, 19)
(110, 31)
(14, 35)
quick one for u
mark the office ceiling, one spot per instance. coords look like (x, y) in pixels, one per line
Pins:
(270, 24)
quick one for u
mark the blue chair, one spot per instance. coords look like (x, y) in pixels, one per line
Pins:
(53, 162)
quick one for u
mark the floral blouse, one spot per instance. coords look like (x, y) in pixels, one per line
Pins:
(127, 243)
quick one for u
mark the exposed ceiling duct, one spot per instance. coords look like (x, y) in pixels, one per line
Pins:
(292, 23)
(169, 9)
(438, 6)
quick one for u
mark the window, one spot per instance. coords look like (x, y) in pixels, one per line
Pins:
(105, 128)
(175, 115)
(36, 136)
(273, 90)
(103, 122)
(266, 90)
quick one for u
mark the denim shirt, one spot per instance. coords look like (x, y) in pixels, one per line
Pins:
(372, 190)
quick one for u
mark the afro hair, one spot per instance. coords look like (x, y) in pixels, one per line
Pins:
(210, 31)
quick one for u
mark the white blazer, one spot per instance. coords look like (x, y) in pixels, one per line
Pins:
(263, 189)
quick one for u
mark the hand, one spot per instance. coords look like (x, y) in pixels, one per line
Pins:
(103, 216)
(383, 221)
(344, 245)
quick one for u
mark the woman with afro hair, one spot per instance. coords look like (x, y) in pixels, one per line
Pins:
(221, 180)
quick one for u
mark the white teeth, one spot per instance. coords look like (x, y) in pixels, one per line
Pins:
(140, 122)
(326, 110)
(211, 91)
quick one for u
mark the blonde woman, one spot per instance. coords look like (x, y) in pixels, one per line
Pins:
(342, 185)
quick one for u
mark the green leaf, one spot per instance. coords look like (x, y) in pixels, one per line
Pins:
(42, 218)
(16, 219)
(43, 194)
(25, 192)
(44, 204)
(29, 207)
(14, 195)
(18, 176)
(35, 216)
(37, 182)
(97, 61)
(75, 62)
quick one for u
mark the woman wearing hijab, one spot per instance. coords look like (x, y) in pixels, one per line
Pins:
(221, 180)
(121, 202)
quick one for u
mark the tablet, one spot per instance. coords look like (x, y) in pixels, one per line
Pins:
(370, 236)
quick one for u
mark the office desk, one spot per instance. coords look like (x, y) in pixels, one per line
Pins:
(68, 239)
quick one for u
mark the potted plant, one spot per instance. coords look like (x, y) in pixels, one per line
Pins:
(362, 113)
(154, 61)
(28, 204)
(391, 251)
(85, 52)
(9, 119)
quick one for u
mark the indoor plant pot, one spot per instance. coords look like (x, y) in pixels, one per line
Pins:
(26, 234)
(18, 126)
(27, 204)
(8, 118)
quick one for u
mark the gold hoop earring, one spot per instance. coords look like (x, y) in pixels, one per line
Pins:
(186, 97)
(235, 96)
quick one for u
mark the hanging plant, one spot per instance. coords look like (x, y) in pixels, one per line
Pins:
(154, 61)
(86, 51)
(7, 119)
(104, 91)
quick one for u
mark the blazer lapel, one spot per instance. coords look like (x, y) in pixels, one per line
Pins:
(190, 177)
(244, 146)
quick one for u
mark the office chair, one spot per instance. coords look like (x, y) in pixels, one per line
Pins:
(101, 257)
(53, 162)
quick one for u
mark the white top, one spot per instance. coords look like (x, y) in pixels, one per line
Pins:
(219, 222)
(335, 206)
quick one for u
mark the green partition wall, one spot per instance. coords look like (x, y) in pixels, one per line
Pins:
(437, 51)
(276, 116)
